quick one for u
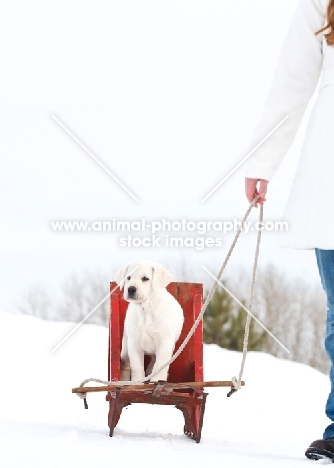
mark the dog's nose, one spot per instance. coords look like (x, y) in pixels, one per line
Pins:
(131, 290)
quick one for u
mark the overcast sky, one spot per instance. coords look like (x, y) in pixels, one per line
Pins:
(166, 95)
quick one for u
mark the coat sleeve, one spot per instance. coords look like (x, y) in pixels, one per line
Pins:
(295, 79)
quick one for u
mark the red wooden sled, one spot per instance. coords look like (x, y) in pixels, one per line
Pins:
(188, 367)
(184, 388)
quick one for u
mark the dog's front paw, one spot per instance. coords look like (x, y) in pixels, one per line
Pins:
(125, 374)
(160, 376)
(125, 369)
(137, 375)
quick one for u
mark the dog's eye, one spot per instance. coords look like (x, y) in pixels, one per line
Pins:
(128, 278)
(145, 278)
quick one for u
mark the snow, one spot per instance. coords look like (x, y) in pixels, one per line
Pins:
(176, 87)
(269, 422)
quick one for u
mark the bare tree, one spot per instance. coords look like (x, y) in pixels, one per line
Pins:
(293, 310)
(81, 295)
(37, 303)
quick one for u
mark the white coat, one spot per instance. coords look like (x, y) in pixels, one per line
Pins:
(304, 58)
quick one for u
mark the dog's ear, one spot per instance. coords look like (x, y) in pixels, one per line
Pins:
(161, 277)
(120, 276)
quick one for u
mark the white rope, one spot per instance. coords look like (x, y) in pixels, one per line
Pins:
(236, 382)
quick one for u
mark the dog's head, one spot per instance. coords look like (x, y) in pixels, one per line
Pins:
(140, 279)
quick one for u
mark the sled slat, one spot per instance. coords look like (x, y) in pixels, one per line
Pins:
(151, 386)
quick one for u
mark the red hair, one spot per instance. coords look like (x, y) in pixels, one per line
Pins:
(330, 24)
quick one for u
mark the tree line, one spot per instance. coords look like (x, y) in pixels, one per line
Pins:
(293, 310)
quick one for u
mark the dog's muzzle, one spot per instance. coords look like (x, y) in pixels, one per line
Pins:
(132, 292)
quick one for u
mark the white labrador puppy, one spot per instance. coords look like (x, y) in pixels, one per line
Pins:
(153, 321)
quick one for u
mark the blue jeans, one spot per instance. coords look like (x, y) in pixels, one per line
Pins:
(325, 260)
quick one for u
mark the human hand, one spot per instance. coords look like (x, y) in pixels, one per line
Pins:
(252, 191)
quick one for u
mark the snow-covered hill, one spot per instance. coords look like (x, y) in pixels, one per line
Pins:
(270, 422)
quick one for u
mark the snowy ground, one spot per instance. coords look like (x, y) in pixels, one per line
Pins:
(270, 422)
